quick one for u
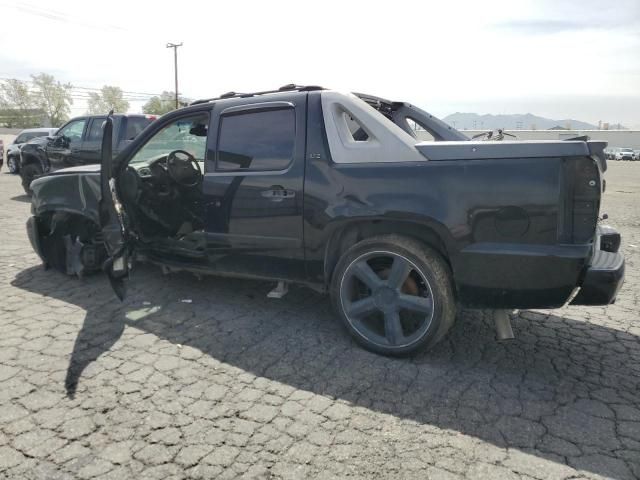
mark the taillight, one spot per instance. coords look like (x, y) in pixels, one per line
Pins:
(583, 188)
(609, 239)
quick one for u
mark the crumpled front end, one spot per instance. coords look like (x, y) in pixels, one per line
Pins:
(74, 192)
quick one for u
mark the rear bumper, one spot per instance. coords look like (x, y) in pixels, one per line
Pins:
(602, 279)
(605, 274)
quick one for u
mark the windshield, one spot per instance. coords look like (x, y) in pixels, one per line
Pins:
(188, 134)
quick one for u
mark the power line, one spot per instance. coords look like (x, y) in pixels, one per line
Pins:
(95, 89)
(57, 15)
(99, 89)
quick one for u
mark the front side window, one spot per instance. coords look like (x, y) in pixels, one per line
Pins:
(95, 132)
(187, 133)
(73, 131)
(257, 140)
(135, 125)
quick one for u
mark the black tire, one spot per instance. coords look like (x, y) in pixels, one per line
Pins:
(28, 173)
(409, 307)
(13, 165)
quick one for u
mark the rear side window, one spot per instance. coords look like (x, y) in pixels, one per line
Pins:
(256, 140)
(356, 130)
(135, 125)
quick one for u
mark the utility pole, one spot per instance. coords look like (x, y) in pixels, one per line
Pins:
(175, 64)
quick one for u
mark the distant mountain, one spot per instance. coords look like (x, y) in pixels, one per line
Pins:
(473, 121)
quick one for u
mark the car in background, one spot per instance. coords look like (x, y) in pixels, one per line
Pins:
(13, 150)
(609, 153)
(76, 143)
(624, 154)
(636, 154)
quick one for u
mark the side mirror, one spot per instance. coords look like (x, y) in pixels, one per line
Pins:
(62, 141)
(199, 130)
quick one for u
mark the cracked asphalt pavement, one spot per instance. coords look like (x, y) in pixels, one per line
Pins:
(234, 384)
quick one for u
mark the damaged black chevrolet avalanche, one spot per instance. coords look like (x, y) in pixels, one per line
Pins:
(335, 191)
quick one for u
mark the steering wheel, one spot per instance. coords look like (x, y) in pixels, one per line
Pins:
(183, 168)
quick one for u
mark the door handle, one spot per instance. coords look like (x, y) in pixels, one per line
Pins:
(277, 193)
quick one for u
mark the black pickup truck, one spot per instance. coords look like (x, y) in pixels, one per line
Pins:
(335, 191)
(77, 142)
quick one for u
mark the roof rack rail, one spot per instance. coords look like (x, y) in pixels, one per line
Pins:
(291, 87)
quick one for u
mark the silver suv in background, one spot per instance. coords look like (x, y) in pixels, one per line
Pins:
(624, 154)
(13, 150)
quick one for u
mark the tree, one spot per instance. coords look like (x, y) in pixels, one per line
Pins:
(163, 103)
(109, 98)
(53, 97)
(17, 104)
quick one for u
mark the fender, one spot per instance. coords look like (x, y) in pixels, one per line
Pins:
(33, 153)
(348, 231)
(65, 208)
(76, 193)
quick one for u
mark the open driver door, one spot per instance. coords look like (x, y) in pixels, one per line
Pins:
(112, 222)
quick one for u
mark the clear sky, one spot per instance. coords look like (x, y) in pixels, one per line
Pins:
(558, 59)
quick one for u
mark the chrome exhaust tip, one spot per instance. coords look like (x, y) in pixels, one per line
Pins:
(502, 322)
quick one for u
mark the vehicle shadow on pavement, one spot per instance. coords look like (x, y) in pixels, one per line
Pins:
(565, 390)
(21, 198)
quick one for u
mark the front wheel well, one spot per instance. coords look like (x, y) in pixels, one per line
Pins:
(27, 158)
(70, 242)
(355, 232)
(69, 221)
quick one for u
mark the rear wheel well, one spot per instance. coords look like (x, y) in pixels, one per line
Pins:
(353, 233)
